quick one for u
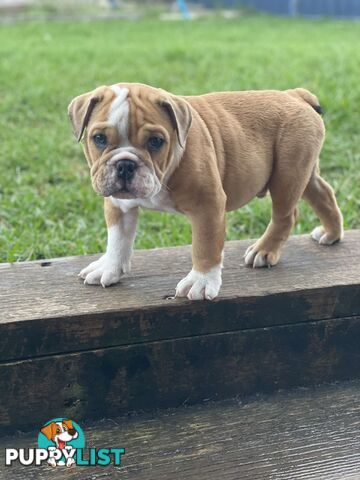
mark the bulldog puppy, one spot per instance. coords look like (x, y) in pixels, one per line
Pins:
(202, 156)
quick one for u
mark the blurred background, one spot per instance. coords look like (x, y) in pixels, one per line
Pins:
(51, 51)
(193, 8)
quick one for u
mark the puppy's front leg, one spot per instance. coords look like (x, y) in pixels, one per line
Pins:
(208, 234)
(116, 261)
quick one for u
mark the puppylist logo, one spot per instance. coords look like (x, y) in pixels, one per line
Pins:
(61, 442)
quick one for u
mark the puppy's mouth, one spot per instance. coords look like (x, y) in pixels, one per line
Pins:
(124, 192)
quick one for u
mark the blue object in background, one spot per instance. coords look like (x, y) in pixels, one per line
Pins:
(184, 8)
(307, 8)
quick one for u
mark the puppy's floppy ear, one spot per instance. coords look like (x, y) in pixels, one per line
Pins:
(80, 110)
(48, 430)
(180, 114)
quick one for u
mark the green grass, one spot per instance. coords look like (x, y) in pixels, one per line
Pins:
(47, 206)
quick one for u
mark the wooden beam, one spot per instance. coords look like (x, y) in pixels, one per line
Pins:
(128, 347)
(45, 303)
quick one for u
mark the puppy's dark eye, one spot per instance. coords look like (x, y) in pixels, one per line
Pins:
(100, 140)
(155, 143)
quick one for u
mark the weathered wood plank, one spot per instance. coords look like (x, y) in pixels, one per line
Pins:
(52, 312)
(106, 352)
(146, 376)
(306, 434)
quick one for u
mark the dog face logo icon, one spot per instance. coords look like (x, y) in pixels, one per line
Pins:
(61, 437)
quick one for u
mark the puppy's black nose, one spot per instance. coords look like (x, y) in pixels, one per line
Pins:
(126, 169)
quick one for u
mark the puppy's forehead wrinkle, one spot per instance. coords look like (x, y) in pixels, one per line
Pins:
(137, 115)
(142, 109)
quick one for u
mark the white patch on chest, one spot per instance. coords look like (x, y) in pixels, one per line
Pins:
(160, 202)
(119, 113)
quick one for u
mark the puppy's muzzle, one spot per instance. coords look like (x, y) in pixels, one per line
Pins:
(125, 169)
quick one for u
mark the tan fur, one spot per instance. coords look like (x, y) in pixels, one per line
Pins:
(238, 145)
(112, 214)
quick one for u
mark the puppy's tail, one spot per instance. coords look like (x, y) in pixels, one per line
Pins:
(308, 97)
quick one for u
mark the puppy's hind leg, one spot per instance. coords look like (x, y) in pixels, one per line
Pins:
(286, 186)
(321, 198)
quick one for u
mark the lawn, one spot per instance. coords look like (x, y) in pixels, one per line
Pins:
(47, 206)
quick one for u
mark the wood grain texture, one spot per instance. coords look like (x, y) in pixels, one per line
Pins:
(52, 312)
(81, 351)
(169, 373)
(304, 434)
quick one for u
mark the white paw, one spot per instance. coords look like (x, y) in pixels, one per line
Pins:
(200, 286)
(105, 271)
(320, 236)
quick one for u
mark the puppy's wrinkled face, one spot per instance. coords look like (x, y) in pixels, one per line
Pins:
(133, 134)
